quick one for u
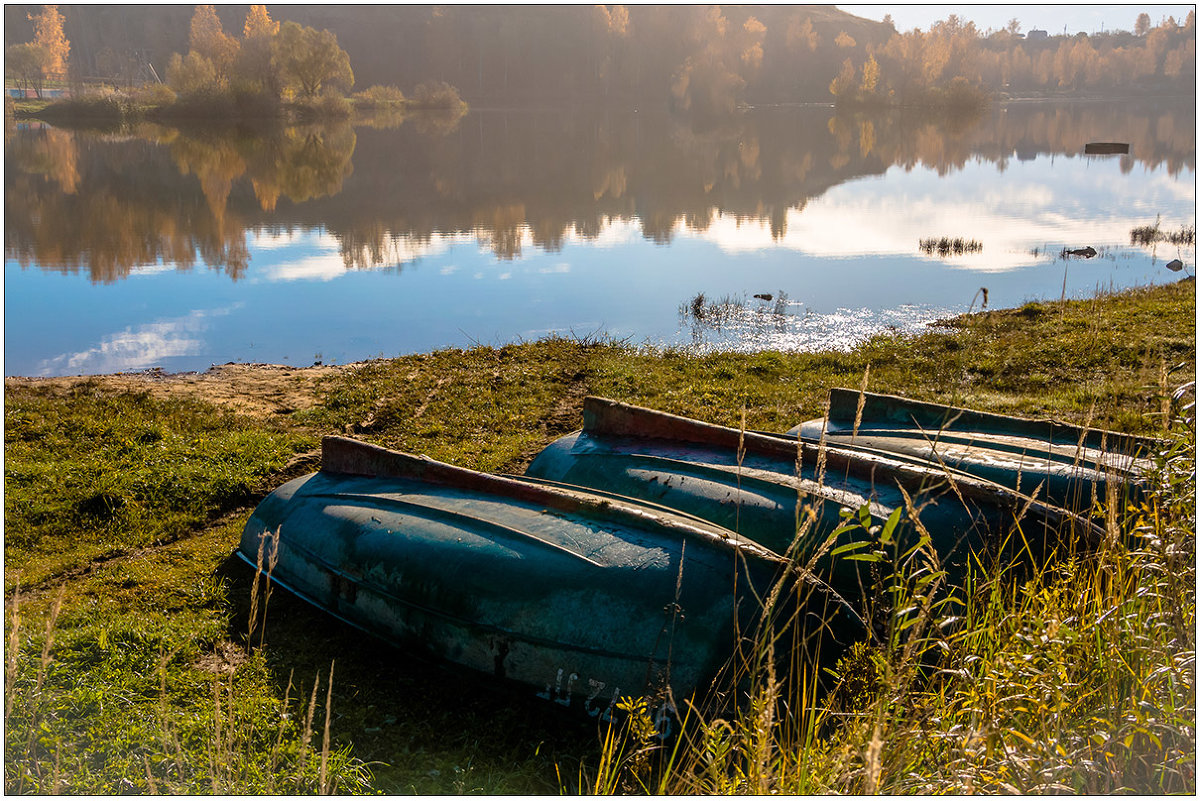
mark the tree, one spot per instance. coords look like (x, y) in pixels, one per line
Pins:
(191, 74)
(751, 43)
(48, 27)
(26, 64)
(259, 23)
(308, 60)
(611, 27)
(254, 57)
(871, 75)
(719, 60)
(1142, 24)
(802, 34)
(206, 38)
(845, 79)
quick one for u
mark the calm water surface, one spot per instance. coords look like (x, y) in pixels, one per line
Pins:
(182, 249)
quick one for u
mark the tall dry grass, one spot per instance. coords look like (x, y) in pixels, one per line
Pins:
(1078, 677)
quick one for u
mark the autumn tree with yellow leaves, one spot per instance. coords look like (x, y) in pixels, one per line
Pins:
(270, 59)
(254, 58)
(722, 58)
(49, 36)
(209, 62)
(30, 64)
(207, 39)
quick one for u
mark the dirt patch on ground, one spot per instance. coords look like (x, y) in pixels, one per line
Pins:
(256, 390)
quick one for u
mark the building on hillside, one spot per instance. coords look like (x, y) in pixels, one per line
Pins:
(1036, 35)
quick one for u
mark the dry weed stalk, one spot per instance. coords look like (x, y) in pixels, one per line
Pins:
(255, 620)
(329, 697)
(14, 649)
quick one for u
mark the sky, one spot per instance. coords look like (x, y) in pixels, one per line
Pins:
(1050, 18)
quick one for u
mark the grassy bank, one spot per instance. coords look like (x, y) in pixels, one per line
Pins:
(158, 103)
(130, 666)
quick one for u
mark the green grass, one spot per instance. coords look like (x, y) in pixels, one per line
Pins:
(145, 680)
(90, 476)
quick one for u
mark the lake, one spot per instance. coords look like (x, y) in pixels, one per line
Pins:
(177, 249)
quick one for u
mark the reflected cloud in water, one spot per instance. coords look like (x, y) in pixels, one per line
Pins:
(1019, 222)
(321, 256)
(139, 347)
(324, 265)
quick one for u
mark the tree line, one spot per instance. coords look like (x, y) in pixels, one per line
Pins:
(954, 57)
(271, 63)
(704, 60)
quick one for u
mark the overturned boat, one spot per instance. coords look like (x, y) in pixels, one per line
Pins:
(1066, 465)
(789, 496)
(582, 598)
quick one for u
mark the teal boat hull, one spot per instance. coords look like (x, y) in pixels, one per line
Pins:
(1065, 465)
(579, 598)
(762, 487)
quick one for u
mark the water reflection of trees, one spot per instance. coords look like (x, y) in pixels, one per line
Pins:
(135, 204)
(1159, 137)
(107, 205)
(513, 180)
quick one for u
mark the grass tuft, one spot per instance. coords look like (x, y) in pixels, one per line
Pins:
(946, 246)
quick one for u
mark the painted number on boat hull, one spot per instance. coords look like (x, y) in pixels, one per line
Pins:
(561, 694)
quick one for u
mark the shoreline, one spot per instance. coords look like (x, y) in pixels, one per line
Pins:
(264, 390)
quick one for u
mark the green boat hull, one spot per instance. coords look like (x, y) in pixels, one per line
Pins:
(1065, 465)
(762, 487)
(579, 598)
